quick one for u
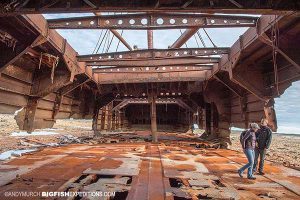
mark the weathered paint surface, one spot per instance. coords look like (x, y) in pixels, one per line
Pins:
(167, 170)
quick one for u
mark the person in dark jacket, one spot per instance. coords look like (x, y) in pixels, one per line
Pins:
(248, 141)
(263, 138)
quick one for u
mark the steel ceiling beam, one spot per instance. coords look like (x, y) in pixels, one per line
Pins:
(155, 62)
(184, 38)
(117, 34)
(162, 69)
(204, 6)
(152, 21)
(151, 77)
(128, 101)
(154, 53)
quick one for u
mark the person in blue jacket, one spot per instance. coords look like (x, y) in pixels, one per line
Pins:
(248, 142)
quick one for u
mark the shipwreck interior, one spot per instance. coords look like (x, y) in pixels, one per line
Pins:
(44, 79)
(161, 90)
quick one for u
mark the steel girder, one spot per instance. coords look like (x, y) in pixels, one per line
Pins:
(155, 62)
(188, 33)
(152, 21)
(153, 53)
(204, 6)
(162, 69)
(144, 100)
(151, 77)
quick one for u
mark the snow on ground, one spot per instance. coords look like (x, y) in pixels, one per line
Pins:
(7, 154)
(23, 133)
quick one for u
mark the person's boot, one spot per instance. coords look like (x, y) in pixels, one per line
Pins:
(261, 173)
(251, 178)
(240, 173)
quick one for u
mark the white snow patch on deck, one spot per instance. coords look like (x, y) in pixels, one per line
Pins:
(23, 133)
(7, 154)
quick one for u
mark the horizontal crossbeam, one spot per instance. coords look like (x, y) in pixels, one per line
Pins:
(162, 69)
(151, 77)
(154, 53)
(155, 62)
(152, 21)
(204, 6)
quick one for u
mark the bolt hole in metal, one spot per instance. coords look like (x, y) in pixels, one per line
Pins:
(132, 21)
(172, 21)
(79, 23)
(144, 21)
(120, 22)
(160, 21)
(92, 23)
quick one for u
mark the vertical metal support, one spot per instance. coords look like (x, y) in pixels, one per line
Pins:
(153, 117)
(122, 118)
(203, 119)
(211, 119)
(95, 120)
(113, 120)
(150, 39)
(103, 118)
(57, 105)
(208, 118)
(30, 114)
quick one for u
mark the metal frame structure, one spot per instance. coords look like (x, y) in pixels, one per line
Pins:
(215, 80)
(8, 7)
(153, 21)
(154, 53)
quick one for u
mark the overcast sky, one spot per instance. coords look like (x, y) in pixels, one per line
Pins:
(84, 42)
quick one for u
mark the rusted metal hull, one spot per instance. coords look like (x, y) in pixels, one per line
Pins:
(168, 170)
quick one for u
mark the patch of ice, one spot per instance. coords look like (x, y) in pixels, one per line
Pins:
(53, 129)
(83, 127)
(8, 154)
(23, 133)
(17, 111)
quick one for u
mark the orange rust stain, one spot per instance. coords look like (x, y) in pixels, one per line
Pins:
(177, 157)
(184, 167)
(272, 169)
(107, 163)
(23, 161)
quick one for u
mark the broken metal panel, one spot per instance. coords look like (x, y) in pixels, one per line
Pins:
(152, 21)
(8, 40)
(58, 43)
(9, 55)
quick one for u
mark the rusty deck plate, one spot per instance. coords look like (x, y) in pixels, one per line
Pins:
(145, 171)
